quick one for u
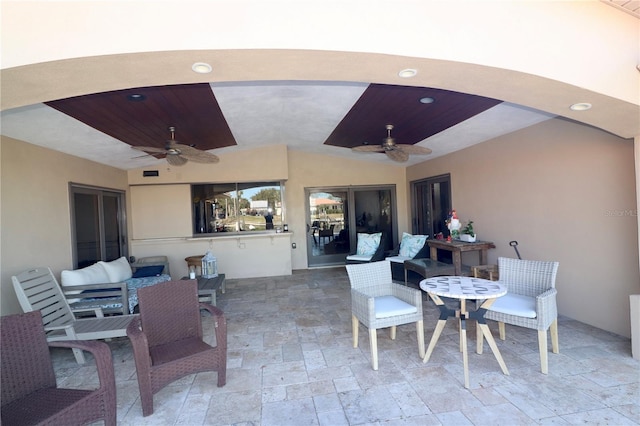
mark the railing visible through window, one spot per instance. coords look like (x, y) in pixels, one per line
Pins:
(237, 207)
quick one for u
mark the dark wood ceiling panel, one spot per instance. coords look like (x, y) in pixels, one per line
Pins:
(400, 106)
(192, 109)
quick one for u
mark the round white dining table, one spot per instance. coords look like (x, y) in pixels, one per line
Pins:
(463, 289)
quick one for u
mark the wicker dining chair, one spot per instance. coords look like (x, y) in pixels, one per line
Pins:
(28, 381)
(530, 302)
(377, 302)
(167, 338)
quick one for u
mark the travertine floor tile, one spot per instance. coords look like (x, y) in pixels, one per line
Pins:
(291, 362)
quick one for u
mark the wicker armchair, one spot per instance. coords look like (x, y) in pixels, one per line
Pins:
(28, 381)
(377, 302)
(167, 338)
(530, 302)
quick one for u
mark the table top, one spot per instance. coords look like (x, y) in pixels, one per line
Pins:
(458, 244)
(463, 287)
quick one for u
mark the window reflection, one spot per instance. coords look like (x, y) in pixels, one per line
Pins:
(237, 207)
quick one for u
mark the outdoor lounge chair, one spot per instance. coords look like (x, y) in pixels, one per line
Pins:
(167, 338)
(28, 381)
(38, 290)
(377, 302)
(530, 302)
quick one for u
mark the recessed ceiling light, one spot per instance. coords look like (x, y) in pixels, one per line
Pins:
(408, 73)
(427, 100)
(580, 106)
(136, 97)
(201, 68)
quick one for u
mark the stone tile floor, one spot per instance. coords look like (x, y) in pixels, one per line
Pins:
(291, 362)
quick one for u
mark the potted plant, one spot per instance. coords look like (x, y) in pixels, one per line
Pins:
(467, 233)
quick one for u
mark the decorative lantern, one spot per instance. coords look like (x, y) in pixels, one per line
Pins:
(209, 266)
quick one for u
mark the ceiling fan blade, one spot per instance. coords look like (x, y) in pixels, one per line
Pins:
(196, 155)
(176, 160)
(397, 155)
(201, 157)
(150, 149)
(414, 149)
(368, 148)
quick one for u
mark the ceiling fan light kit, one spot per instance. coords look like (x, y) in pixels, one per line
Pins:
(396, 152)
(178, 154)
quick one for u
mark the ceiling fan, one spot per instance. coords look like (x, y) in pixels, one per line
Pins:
(396, 152)
(178, 154)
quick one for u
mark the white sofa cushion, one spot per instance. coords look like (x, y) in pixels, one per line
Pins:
(390, 306)
(359, 258)
(94, 274)
(515, 304)
(118, 270)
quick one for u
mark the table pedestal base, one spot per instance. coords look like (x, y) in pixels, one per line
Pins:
(462, 314)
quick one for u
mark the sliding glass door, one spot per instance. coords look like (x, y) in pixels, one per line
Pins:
(431, 202)
(336, 215)
(98, 225)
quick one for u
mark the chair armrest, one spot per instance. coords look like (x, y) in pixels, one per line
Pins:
(547, 308)
(140, 345)
(408, 294)
(363, 306)
(102, 355)
(117, 290)
(220, 324)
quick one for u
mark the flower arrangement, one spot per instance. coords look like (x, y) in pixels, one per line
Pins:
(456, 231)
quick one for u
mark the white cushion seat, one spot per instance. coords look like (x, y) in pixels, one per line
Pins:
(515, 304)
(390, 306)
(398, 259)
(359, 257)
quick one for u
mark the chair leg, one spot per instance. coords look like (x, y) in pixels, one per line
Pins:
(502, 330)
(146, 399)
(554, 336)
(373, 342)
(354, 330)
(542, 347)
(479, 339)
(79, 355)
(420, 330)
(393, 332)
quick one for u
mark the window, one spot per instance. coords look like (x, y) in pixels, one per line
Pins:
(98, 224)
(237, 207)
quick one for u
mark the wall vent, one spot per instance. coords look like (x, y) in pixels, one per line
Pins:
(148, 173)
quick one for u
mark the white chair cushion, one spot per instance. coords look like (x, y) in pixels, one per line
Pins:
(94, 274)
(515, 304)
(368, 244)
(410, 245)
(391, 306)
(359, 258)
(118, 270)
(398, 259)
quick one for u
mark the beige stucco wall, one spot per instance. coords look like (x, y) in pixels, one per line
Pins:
(35, 214)
(238, 259)
(565, 192)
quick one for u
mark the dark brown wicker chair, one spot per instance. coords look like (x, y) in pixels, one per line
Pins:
(29, 392)
(167, 338)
